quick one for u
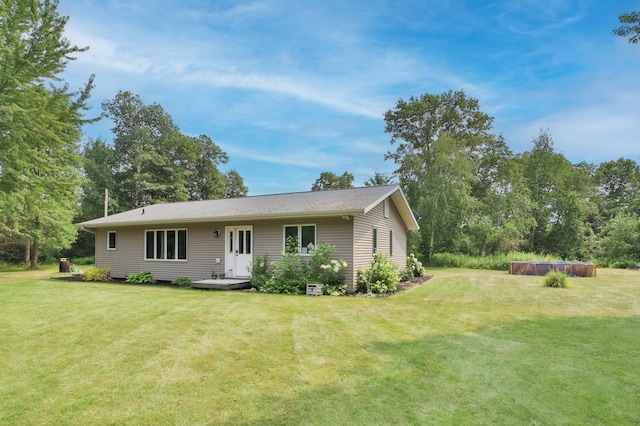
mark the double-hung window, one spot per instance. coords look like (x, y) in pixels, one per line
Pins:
(111, 240)
(165, 244)
(303, 235)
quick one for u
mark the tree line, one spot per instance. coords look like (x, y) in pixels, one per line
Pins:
(475, 196)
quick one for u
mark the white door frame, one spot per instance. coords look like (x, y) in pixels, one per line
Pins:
(238, 255)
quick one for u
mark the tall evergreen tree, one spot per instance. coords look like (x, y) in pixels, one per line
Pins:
(40, 127)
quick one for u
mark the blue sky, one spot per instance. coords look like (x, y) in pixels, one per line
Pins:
(290, 89)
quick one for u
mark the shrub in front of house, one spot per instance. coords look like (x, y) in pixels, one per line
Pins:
(327, 271)
(182, 282)
(140, 277)
(97, 274)
(555, 279)
(261, 271)
(292, 273)
(382, 277)
(414, 267)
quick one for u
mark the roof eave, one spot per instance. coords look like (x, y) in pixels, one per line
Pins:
(236, 218)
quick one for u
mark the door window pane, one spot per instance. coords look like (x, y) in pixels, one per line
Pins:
(248, 242)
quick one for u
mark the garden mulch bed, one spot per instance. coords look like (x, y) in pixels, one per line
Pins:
(406, 285)
(402, 286)
(116, 281)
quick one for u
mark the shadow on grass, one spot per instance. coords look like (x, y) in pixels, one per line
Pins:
(546, 371)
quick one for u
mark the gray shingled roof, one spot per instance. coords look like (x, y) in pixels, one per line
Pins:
(353, 201)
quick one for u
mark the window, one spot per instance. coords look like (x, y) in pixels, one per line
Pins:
(390, 243)
(385, 208)
(375, 240)
(169, 244)
(111, 240)
(305, 236)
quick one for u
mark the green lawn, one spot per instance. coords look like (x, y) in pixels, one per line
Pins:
(467, 347)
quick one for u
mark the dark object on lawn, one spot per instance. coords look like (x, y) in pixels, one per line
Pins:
(65, 266)
(574, 269)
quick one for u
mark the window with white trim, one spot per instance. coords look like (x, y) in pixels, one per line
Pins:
(385, 208)
(165, 244)
(391, 243)
(305, 236)
(111, 240)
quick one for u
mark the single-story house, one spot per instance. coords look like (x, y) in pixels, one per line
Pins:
(196, 239)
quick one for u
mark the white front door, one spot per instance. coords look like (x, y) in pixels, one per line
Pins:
(239, 250)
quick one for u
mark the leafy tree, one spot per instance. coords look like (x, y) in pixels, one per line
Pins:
(234, 185)
(621, 241)
(503, 214)
(146, 146)
(438, 141)
(618, 184)
(206, 182)
(151, 161)
(562, 196)
(99, 166)
(329, 180)
(379, 179)
(40, 126)
(630, 28)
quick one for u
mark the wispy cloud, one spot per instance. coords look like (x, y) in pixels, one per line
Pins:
(303, 86)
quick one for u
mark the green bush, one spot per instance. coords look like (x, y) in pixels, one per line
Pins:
(97, 274)
(497, 262)
(260, 271)
(624, 263)
(182, 282)
(414, 267)
(555, 279)
(619, 246)
(289, 273)
(90, 260)
(140, 277)
(326, 271)
(382, 277)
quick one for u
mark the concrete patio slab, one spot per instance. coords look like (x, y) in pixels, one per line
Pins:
(222, 284)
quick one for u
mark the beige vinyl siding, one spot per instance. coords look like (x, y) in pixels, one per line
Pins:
(269, 237)
(363, 237)
(203, 248)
